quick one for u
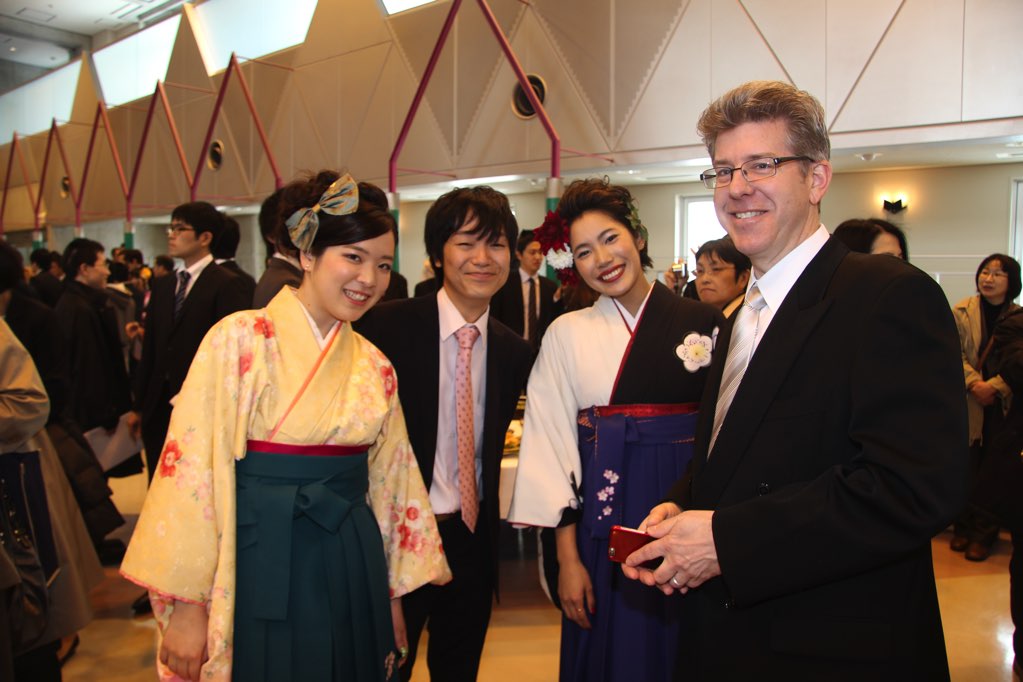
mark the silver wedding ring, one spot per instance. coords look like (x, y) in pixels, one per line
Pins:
(675, 583)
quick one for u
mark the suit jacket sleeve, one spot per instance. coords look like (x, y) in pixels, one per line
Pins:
(903, 479)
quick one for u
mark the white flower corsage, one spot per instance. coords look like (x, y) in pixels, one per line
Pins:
(560, 259)
(695, 351)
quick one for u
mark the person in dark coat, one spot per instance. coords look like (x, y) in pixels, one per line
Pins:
(100, 393)
(36, 327)
(282, 266)
(45, 284)
(224, 251)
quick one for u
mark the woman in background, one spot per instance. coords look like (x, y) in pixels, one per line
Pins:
(988, 396)
(626, 373)
(873, 235)
(288, 515)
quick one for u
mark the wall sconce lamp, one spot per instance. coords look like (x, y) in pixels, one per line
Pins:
(894, 207)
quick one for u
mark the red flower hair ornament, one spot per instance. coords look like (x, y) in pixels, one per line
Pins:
(553, 238)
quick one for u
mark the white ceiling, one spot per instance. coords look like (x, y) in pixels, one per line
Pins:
(85, 17)
(39, 31)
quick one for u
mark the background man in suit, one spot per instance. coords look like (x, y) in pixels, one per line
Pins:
(224, 251)
(824, 466)
(512, 304)
(282, 266)
(45, 283)
(181, 310)
(440, 345)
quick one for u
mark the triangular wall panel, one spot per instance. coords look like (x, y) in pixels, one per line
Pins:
(738, 51)
(415, 34)
(678, 90)
(294, 138)
(802, 59)
(992, 60)
(498, 136)
(479, 55)
(341, 88)
(582, 39)
(855, 28)
(424, 149)
(640, 38)
(341, 27)
(915, 76)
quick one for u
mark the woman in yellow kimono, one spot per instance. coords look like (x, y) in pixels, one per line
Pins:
(288, 507)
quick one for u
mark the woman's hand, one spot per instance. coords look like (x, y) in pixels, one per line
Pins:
(983, 392)
(183, 649)
(575, 590)
(400, 635)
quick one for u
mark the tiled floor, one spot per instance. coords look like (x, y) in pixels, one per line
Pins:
(522, 644)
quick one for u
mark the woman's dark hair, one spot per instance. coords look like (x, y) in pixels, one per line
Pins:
(80, 252)
(615, 201)
(118, 273)
(896, 232)
(724, 250)
(859, 234)
(1011, 268)
(41, 258)
(12, 267)
(453, 210)
(367, 222)
(166, 262)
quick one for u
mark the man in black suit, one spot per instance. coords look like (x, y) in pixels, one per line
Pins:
(282, 266)
(44, 282)
(526, 302)
(181, 310)
(824, 466)
(431, 341)
(224, 251)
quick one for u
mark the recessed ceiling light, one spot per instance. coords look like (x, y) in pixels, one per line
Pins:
(868, 156)
(12, 48)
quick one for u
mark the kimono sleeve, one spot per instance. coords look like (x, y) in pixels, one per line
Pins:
(400, 501)
(24, 406)
(185, 533)
(549, 451)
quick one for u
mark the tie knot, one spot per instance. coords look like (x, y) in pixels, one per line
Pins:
(754, 299)
(184, 276)
(467, 336)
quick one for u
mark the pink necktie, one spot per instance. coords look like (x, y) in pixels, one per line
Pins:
(466, 431)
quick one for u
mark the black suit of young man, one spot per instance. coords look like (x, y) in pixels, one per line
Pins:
(170, 344)
(408, 333)
(509, 307)
(842, 453)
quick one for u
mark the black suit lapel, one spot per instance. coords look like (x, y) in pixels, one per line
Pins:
(780, 348)
(427, 347)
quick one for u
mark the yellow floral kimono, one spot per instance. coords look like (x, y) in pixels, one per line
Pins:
(243, 379)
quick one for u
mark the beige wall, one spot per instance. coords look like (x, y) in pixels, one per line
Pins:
(956, 216)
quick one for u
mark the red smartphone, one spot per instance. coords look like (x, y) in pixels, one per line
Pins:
(624, 541)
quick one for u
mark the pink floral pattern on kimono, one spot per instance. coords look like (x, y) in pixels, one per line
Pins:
(246, 372)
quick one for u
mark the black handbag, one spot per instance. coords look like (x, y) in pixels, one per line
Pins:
(27, 601)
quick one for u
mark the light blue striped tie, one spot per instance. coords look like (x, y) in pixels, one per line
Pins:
(740, 350)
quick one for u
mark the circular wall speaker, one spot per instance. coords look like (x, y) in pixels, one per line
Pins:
(215, 156)
(520, 103)
(65, 187)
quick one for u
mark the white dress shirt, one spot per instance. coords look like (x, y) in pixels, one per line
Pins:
(194, 271)
(444, 495)
(525, 277)
(776, 283)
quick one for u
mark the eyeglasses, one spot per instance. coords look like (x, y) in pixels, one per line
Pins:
(994, 274)
(752, 170)
(714, 270)
(178, 228)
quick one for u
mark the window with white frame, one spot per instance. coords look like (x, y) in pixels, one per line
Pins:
(696, 223)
